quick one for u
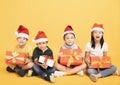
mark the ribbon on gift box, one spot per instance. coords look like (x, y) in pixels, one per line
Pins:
(100, 62)
(14, 56)
(73, 55)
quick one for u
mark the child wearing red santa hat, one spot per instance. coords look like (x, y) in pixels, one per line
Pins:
(22, 37)
(41, 52)
(97, 47)
(69, 39)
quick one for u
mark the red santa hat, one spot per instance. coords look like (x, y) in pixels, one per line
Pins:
(22, 32)
(40, 37)
(97, 27)
(68, 29)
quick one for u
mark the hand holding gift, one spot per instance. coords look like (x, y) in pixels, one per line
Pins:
(36, 60)
(44, 65)
(40, 64)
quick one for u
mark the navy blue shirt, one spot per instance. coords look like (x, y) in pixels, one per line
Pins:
(37, 52)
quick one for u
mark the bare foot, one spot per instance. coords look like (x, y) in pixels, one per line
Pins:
(93, 77)
(117, 73)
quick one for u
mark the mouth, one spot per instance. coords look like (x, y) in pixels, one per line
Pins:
(21, 42)
(97, 36)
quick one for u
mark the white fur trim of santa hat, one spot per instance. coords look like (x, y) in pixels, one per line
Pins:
(40, 40)
(97, 28)
(68, 32)
(22, 35)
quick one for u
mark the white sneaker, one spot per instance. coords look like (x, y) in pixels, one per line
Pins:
(30, 72)
(59, 73)
(52, 79)
(93, 77)
(81, 73)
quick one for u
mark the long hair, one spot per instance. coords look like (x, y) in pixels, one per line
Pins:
(93, 41)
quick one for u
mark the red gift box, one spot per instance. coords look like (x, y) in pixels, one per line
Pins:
(100, 62)
(48, 60)
(71, 57)
(15, 58)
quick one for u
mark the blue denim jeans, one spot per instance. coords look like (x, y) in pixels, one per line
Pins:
(43, 72)
(103, 71)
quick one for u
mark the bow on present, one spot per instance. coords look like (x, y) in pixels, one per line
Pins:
(73, 55)
(100, 62)
(14, 57)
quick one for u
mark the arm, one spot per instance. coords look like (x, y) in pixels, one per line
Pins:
(29, 52)
(47, 54)
(35, 56)
(105, 49)
(104, 53)
(87, 58)
(40, 64)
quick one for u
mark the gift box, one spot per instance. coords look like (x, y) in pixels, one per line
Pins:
(47, 60)
(15, 58)
(100, 62)
(71, 57)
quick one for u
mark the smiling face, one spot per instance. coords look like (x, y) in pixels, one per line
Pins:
(69, 39)
(42, 45)
(97, 35)
(22, 41)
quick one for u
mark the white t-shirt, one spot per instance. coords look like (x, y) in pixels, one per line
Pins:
(97, 51)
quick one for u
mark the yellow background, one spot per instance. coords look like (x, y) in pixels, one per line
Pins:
(52, 16)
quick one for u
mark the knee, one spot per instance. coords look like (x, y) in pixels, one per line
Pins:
(90, 71)
(84, 65)
(60, 67)
(114, 68)
(36, 68)
(30, 64)
(53, 70)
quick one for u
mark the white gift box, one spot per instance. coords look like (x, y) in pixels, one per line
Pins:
(41, 59)
(44, 59)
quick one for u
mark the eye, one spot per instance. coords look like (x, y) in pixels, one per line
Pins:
(72, 37)
(67, 38)
(100, 32)
(24, 38)
(38, 43)
(43, 42)
(19, 38)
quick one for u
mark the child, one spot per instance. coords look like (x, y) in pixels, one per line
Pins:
(69, 39)
(42, 49)
(97, 47)
(22, 38)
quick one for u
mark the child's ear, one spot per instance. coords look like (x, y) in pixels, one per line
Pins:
(26, 39)
(17, 38)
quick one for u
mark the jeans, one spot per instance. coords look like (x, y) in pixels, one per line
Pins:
(103, 71)
(43, 72)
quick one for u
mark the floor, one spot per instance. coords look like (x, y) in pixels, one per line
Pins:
(13, 79)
